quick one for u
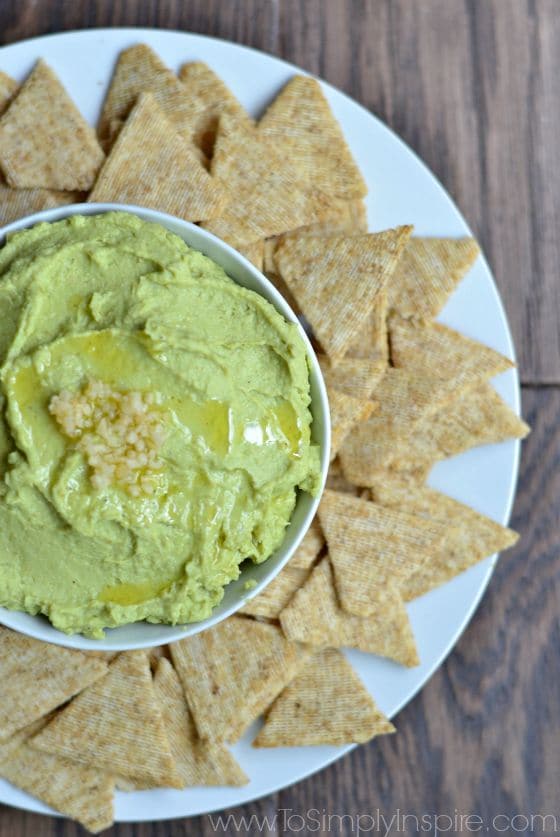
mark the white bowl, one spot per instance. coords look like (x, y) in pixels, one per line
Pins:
(145, 634)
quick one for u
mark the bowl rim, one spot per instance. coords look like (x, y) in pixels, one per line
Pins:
(38, 626)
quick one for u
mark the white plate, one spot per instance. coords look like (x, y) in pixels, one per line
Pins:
(402, 190)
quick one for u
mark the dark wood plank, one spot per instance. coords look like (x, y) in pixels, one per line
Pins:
(252, 22)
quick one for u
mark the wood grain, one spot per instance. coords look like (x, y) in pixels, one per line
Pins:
(472, 86)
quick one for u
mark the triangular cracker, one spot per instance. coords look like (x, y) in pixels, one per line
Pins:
(326, 703)
(281, 286)
(17, 203)
(8, 88)
(36, 677)
(469, 536)
(430, 269)
(373, 340)
(14, 742)
(115, 127)
(272, 193)
(347, 217)
(116, 725)
(157, 653)
(199, 762)
(108, 656)
(302, 114)
(277, 594)
(409, 475)
(44, 140)
(371, 547)
(208, 98)
(432, 348)
(336, 481)
(357, 377)
(346, 412)
(151, 165)
(311, 545)
(312, 268)
(254, 252)
(476, 417)
(314, 617)
(405, 398)
(232, 672)
(74, 790)
(139, 70)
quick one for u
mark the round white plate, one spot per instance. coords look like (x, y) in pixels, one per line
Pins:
(402, 190)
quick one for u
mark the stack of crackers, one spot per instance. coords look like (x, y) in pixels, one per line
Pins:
(405, 392)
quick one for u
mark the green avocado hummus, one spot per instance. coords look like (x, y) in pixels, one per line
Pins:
(154, 425)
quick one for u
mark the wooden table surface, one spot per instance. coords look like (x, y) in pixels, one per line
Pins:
(472, 86)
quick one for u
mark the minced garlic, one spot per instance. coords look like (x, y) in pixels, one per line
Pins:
(119, 433)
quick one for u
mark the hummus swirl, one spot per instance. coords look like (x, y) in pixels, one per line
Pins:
(154, 425)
